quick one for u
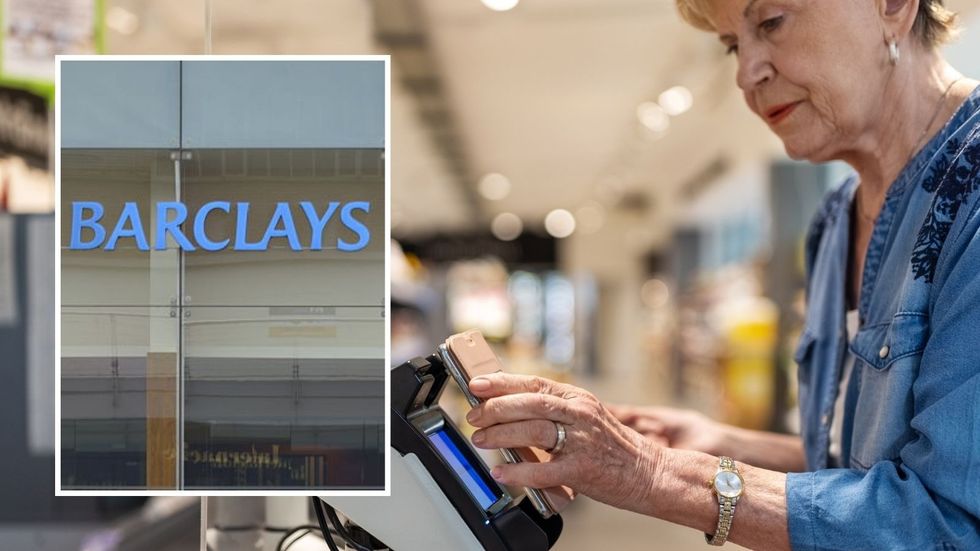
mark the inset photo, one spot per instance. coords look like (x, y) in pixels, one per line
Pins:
(221, 271)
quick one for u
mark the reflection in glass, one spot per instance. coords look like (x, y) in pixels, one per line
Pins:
(284, 350)
(284, 397)
(281, 351)
(119, 330)
(117, 398)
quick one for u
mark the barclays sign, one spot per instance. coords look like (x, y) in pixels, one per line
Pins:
(170, 215)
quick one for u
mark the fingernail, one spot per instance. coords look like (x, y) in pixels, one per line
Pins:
(473, 415)
(495, 473)
(479, 437)
(479, 384)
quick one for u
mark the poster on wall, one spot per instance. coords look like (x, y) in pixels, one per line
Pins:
(25, 145)
(24, 126)
(34, 31)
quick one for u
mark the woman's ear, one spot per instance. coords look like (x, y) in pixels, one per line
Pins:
(898, 16)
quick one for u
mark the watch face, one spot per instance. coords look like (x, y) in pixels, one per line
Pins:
(728, 484)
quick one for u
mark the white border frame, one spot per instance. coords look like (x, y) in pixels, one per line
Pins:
(57, 275)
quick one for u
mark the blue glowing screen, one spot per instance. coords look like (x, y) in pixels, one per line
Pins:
(464, 469)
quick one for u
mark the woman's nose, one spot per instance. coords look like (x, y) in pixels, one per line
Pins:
(754, 67)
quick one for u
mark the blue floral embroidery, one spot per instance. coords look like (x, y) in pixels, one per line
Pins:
(952, 178)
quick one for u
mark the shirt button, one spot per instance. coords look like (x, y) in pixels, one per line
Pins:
(883, 353)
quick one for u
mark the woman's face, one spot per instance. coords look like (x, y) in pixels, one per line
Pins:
(813, 70)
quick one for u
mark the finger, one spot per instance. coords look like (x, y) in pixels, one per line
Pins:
(521, 407)
(646, 425)
(661, 413)
(659, 437)
(500, 384)
(534, 454)
(628, 419)
(625, 414)
(530, 475)
(536, 433)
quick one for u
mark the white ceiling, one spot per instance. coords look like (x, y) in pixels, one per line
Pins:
(545, 94)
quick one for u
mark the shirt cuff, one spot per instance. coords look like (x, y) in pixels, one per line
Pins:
(800, 511)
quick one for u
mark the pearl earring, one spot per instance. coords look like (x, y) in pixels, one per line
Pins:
(893, 53)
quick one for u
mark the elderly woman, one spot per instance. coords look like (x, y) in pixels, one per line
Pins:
(889, 361)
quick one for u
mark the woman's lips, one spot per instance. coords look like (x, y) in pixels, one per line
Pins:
(775, 114)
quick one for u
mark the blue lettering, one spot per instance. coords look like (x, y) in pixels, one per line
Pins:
(165, 226)
(78, 222)
(172, 215)
(130, 214)
(317, 224)
(200, 235)
(354, 225)
(241, 227)
(289, 231)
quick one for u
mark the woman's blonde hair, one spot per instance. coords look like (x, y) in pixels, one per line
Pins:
(934, 24)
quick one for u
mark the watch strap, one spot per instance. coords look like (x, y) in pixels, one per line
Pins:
(726, 508)
(726, 511)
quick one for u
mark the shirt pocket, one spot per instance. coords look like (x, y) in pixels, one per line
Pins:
(886, 365)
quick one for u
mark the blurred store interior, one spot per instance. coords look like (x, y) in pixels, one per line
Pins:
(580, 180)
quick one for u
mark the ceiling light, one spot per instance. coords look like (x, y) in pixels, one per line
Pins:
(653, 116)
(500, 5)
(676, 100)
(506, 226)
(559, 223)
(494, 186)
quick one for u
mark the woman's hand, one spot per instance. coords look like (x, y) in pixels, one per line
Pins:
(602, 458)
(691, 430)
(674, 428)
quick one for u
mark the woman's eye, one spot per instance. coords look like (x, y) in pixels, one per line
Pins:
(732, 49)
(771, 24)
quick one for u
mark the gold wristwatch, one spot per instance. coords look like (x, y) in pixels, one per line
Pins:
(728, 486)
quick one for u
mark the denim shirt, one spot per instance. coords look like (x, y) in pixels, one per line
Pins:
(910, 456)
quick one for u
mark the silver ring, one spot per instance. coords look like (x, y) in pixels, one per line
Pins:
(560, 443)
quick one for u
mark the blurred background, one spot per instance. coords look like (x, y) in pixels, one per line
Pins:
(578, 179)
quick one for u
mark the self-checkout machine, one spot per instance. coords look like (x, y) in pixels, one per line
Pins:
(442, 494)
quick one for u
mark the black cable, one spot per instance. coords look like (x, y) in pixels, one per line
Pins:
(327, 537)
(301, 536)
(332, 515)
(306, 529)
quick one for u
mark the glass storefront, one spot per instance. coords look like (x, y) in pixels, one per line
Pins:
(244, 347)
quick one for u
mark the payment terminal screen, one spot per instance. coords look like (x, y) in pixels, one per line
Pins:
(465, 470)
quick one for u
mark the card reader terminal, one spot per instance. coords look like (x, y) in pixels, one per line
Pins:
(442, 494)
